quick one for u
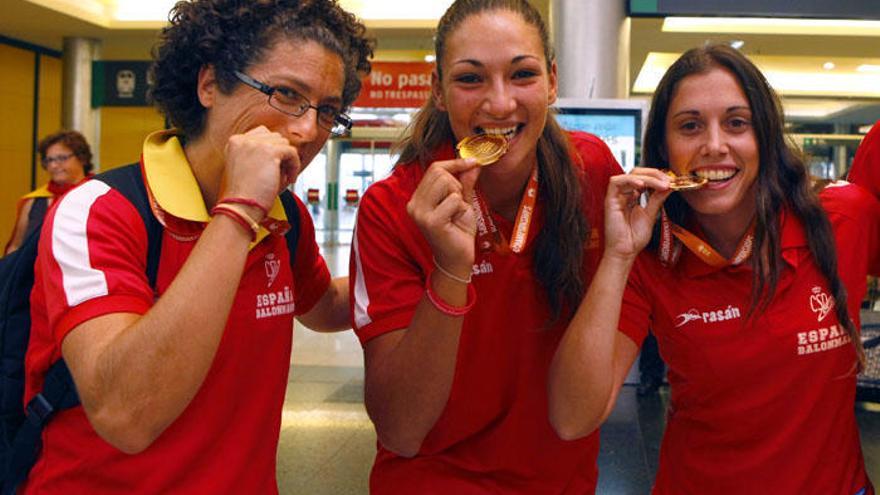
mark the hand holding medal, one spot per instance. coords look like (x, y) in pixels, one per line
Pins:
(441, 208)
(628, 223)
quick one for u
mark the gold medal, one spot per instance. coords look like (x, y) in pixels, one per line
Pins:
(485, 148)
(685, 182)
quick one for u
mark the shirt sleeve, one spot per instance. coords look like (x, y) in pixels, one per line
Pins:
(310, 273)
(92, 255)
(387, 264)
(866, 165)
(635, 312)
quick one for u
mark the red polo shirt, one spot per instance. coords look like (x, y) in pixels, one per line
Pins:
(493, 435)
(760, 404)
(92, 260)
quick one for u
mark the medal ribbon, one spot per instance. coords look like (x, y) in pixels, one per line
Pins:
(671, 250)
(489, 238)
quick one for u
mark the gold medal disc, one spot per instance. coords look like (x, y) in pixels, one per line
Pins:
(686, 182)
(485, 148)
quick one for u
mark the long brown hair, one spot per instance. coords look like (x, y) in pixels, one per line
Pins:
(559, 246)
(782, 177)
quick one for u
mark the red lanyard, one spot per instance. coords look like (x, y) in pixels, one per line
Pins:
(489, 238)
(670, 250)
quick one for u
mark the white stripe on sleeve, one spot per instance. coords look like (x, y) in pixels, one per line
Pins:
(361, 298)
(70, 244)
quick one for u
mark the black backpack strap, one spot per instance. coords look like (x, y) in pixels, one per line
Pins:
(39, 206)
(129, 181)
(291, 209)
(59, 392)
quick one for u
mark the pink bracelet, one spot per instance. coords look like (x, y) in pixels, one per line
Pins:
(446, 308)
(246, 202)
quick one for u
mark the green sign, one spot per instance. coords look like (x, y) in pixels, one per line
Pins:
(120, 83)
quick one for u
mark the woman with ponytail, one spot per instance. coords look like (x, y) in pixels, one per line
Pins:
(464, 277)
(751, 283)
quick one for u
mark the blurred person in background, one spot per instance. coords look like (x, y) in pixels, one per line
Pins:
(67, 157)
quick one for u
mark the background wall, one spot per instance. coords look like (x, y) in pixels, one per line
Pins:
(17, 117)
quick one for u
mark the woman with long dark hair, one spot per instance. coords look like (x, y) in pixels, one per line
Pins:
(751, 284)
(464, 278)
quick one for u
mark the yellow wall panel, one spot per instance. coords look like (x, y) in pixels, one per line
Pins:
(16, 122)
(123, 130)
(49, 113)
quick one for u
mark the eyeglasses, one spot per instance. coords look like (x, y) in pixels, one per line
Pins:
(288, 101)
(49, 160)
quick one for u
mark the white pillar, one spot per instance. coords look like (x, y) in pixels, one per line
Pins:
(591, 39)
(331, 213)
(77, 112)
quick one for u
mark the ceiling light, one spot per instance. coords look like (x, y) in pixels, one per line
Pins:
(868, 68)
(737, 44)
(763, 25)
(788, 75)
(430, 58)
(828, 65)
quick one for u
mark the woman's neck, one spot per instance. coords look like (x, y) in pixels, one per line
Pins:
(206, 161)
(724, 232)
(503, 191)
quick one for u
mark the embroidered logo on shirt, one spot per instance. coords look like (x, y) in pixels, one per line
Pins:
(275, 303)
(821, 339)
(273, 266)
(728, 313)
(821, 303)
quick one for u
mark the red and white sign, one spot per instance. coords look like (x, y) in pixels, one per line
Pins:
(396, 85)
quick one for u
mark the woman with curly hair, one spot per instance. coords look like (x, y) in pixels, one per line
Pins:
(67, 157)
(182, 383)
(485, 266)
(751, 283)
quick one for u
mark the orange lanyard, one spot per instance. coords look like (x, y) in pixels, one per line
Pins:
(489, 238)
(670, 250)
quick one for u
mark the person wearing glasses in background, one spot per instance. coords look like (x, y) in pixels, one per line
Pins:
(182, 392)
(67, 157)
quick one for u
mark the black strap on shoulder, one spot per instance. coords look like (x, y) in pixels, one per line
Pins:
(129, 181)
(36, 215)
(59, 392)
(291, 209)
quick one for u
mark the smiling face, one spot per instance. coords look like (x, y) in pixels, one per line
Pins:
(303, 66)
(500, 86)
(63, 166)
(709, 134)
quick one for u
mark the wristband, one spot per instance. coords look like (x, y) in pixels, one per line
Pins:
(453, 276)
(238, 214)
(246, 202)
(446, 308)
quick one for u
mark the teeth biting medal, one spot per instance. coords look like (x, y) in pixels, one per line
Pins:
(685, 182)
(485, 148)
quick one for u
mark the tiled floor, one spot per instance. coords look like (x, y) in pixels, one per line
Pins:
(327, 442)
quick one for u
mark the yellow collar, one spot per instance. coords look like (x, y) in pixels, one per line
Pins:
(173, 185)
(40, 192)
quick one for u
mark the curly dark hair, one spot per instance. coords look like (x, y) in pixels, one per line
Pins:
(74, 141)
(232, 35)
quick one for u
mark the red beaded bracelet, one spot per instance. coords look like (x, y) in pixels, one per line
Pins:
(246, 202)
(446, 308)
